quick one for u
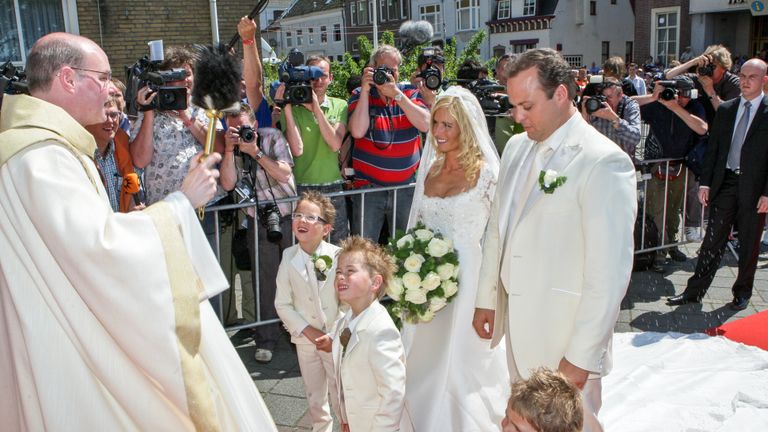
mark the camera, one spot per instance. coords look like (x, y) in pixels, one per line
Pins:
(244, 190)
(706, 70)
(592, 96)
(672, 88)
(297, 77)
(246, 133)
(269, 216)
(432, 76)
(381, 75)
(594, 103)
(12, 79)
(491, 96)
(146, 72)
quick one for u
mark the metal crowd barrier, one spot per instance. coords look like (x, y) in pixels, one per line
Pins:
(643, 177)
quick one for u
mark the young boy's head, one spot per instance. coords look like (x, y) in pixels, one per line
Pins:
(545, 402)
(363, 272)
(312, 219)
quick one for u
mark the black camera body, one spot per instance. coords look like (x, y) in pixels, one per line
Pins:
(706, 70)
(246, 133)
(297, 77)
(491, 96)
(592, 96)
(595, 103)
(12, 79)
(381, 75)
(431, 75)
(146, 73)
(672, 88)
(269, 216)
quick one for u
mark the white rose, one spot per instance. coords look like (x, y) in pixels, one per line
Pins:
(437, 303)
(445, 271)
(424, 234)
(449, 288)
(395, 289)
(438, 248)
(404, 241)
(411, 281)
(320, 264)
(426, 316)
(413, 263)
(415, 296)
(550, 176)
(431, 281)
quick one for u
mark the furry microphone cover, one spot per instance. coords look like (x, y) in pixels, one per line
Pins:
(217, 79)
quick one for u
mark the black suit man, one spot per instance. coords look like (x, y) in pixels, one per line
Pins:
(735, 182)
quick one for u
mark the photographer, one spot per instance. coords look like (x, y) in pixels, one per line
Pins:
(430, 63)
(712, 78)
(505, 126)
(676, 122)
(315, 132)
(385, 120)
(165, 142)
(267, 171)
(617, 116)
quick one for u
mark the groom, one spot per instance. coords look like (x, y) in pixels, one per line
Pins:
(558, 248)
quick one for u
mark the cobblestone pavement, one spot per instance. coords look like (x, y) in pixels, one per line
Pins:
(643, 309)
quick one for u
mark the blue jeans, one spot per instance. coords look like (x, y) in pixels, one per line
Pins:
(380, 207)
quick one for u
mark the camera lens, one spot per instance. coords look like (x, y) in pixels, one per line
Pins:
(432, 81)
(299, 95)
(668, 94)
(380, 76)
(246, 133)
(593, 104)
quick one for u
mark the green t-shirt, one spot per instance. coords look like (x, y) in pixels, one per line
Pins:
(317, 164)
(505, 128)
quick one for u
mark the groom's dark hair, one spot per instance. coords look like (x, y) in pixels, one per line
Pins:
(553, 70)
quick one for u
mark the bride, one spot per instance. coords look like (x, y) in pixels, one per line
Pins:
(455, 381)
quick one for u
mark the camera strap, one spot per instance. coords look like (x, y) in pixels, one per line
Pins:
(266, 176)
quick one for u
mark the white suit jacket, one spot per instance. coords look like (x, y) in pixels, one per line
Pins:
(298, 300)
(570, 251)
(371, 372)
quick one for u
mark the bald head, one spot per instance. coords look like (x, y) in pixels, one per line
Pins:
(752, 78)
(53, 51)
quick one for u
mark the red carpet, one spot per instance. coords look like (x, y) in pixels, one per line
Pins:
(752, 330)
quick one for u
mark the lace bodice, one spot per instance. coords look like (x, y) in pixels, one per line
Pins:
(462, 217)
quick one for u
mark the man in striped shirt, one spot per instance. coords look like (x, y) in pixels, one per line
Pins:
(385, 120)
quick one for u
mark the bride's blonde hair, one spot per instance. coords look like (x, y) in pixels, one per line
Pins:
(470, 157)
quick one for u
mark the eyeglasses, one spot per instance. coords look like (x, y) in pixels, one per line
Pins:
(114, 115)
(105, 77)
(308, 218)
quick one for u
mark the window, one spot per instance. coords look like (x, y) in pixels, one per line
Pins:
(392, 10)
(467, 14)
(529, 7)
(362, 12)
(431, 13)
(337, 32)
(353, 13)
(288, 39)
(606, 51)
(311, 36)
(25, 21)
(504, 9)
(593, 8)
(613, 1)
(323, 34)
(628, 52)
(275, 16)
(404, 9)
(521, 48)
(665, 34)
(299, 37)
(339, 58)
(382, 10)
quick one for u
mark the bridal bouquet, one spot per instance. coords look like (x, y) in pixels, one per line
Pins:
(427, 274)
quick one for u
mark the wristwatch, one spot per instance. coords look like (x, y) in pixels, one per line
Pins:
(259, 155)
(398, 97)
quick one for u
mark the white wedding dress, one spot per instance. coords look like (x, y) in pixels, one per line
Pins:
(454, 380)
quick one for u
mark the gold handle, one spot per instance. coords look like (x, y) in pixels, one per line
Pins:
(210, 137)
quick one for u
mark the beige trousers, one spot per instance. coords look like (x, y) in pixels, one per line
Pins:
(319, 378)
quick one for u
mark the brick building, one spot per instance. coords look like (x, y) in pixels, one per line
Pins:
(662, 30)
(358, 19)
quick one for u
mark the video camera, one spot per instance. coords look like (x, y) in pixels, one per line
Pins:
(491, 96)
(12, 79)
(145, 72)
(432, 76)
(672, 88)
(297, 77)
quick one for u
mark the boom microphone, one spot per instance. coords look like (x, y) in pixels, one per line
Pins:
(415, 33)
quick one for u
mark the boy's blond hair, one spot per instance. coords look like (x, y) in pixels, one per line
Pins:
(375, 259)
(548, 401)
(327, 211)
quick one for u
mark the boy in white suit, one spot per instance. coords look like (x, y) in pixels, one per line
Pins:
(307, 304)
(367, 350)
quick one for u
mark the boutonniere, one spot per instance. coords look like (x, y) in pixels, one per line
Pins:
(549, 181)
(322, 265)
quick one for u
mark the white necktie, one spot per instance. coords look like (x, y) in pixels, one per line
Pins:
(734, 154)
